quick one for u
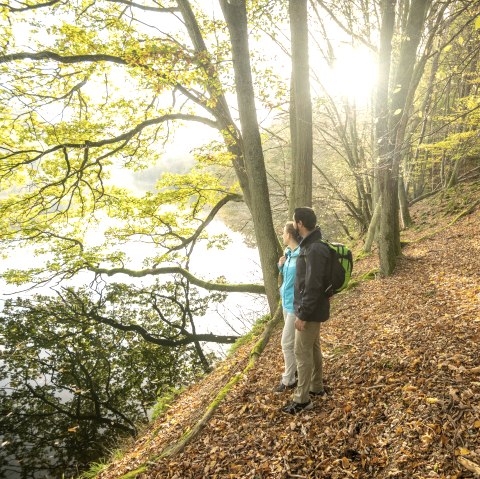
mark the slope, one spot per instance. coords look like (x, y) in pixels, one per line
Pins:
(401, 360)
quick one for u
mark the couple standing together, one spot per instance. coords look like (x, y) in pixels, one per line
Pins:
(305, 306)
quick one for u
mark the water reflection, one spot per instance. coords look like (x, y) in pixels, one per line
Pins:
(236, 263)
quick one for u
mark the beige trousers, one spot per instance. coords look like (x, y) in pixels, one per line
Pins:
(309, 362)
(288, 348)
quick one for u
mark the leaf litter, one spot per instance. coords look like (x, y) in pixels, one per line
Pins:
(402, 366)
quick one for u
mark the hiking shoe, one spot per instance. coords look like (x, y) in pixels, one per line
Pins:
(281, 388)
(320, 393)
(296, 407)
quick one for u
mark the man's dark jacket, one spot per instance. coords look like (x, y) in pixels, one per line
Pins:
(310, 301)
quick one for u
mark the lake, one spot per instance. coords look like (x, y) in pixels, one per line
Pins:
(237, 263)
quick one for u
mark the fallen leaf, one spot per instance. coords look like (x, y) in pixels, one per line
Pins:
(462, 451)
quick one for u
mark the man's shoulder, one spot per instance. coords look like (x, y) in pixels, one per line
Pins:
(317, 247)
(321, 247)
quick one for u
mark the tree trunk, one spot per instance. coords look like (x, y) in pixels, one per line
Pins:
(221, 110)
(372, 228)
(386, 183)
(235, 14)
(293, 148)
(404, 209)
(453, 179)
(419, 183)
(301, 111)
(402, 96)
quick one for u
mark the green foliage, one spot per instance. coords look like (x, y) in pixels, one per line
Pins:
(256, 330)
(448, 111)
(164, 402)
(94, 470)
(369, 275)
(463, 142)
(76, 384)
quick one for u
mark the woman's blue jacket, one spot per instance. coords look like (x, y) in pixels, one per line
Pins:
(288, 271)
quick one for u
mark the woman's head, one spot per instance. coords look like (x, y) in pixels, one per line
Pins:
(290, 234)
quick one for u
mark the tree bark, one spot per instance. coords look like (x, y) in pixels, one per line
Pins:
(372, 228)
(235, 14)
(404, 209)
(386, 239)
(402, 96)
(301, 132)
(221, 110)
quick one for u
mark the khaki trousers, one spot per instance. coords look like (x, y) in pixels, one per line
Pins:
(309, 362)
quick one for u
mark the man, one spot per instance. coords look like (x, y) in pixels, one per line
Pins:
(312, 306)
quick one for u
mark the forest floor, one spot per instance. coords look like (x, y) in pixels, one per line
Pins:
(401, 361)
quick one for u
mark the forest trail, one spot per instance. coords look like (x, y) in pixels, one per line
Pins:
(402, 362)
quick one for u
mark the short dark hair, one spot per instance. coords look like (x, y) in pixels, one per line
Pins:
(307, 216)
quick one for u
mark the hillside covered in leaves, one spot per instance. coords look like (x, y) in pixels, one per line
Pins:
(402, 366)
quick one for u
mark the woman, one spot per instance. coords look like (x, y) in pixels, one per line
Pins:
(287, 266)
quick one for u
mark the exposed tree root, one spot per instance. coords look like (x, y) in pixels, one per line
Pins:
(254, 355)
(192, 433)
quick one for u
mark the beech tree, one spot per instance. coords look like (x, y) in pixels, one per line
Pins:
(101, 94)
(301, 127)
(66, 166)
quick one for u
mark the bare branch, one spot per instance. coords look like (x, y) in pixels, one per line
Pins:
(345, 29)
(144, 7)
(47, 55)
(207, 221)
(124, 137)
(225, 287)
(187, 338)
(30, 7)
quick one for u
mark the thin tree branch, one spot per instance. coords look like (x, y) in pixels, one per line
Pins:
(345, 29)
(124, 137)
(187, 339)
(207, 221)
(30, 7)
(146, 8)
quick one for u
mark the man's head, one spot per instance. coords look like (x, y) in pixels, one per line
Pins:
(305, 220)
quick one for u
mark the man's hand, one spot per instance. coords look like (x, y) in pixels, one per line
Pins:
(282, 260)
(299, 324)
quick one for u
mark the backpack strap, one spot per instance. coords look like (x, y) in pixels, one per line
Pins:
(329, 289)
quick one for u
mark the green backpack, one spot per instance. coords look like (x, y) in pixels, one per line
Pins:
(341, 266)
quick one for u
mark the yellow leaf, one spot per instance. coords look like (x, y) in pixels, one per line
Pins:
(431, 400)
(477, 23)
(462, 451)
(477, 424)
(426, 438)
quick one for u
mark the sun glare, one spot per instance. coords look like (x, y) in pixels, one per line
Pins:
(353, 75)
